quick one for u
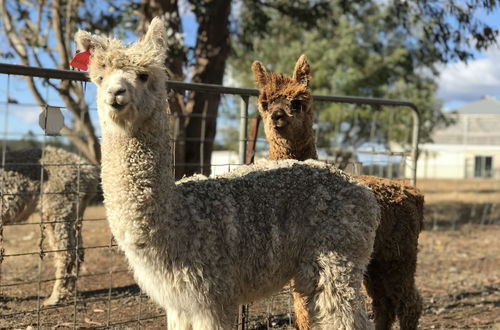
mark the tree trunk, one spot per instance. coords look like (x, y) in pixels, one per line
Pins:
(211, 52)
(196, 117)
(175, 61)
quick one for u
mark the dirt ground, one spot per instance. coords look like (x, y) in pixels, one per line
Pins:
(458, 271)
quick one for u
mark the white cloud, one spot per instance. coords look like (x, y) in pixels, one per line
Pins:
(27, 113)
(469, 82)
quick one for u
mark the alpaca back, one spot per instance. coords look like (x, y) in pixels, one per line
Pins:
(20, 184)
(278, 208)
(26, 170)
(68, 173)
(402, 219)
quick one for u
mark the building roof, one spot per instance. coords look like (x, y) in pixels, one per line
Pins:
(488, 105)
(475, 123)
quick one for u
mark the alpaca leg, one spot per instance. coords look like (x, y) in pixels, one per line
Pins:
(391, 284)
(300, 305)
(200, 318)
(60, 238)
(338, 299)
(410, 307)
(205, 322)
(65, 236)
(177, 320)
(196, 320)
(304, 286)
(330, 293)
(382, 304)
(214, 318)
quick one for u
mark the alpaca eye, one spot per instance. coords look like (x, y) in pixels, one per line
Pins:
(143, 77)
(99, 79)
(264, 105)
(296, 106)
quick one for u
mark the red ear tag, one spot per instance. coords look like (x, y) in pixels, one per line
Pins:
(81, 60)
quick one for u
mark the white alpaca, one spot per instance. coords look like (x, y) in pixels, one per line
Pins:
(201, 247)
(69, 182)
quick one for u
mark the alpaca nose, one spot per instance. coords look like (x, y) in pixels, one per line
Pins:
(120, 91)
(278, 115)
(116, 91)
(117, 97)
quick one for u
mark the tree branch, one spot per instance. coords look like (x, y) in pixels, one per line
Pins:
(81, 112)
(12, 35)
(58, 31)
(39, 16)
(70, 22)
(83, 134)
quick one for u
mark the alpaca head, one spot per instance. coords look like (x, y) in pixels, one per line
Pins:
(285, 102)
(130, 78)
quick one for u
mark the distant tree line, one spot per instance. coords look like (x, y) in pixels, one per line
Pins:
(368, 47)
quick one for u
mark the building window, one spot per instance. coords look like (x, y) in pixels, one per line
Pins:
(483, 166)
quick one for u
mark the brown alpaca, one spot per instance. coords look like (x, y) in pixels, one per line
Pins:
(285, 107)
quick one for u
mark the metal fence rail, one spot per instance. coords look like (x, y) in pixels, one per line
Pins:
(245, 93)
(108, 304)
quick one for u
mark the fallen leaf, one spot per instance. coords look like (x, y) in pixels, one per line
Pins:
(89, 321)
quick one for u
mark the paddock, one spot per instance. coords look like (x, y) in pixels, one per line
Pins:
(457, 275)
(458, 263)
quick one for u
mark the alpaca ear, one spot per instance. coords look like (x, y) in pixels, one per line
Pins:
(155, 37)
(302, 71)
(259, 74)
(85, 41)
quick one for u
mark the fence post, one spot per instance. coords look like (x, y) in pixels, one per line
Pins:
(242, 153)
(414, 147)
(254, 129)
(242, 317)
(242, 150)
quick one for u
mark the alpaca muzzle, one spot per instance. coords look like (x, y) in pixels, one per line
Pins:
(117, 99)
(279, 119)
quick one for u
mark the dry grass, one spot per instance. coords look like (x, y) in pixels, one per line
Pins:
(450, 204)
(464, 185)
(458, 271)
(466, 190)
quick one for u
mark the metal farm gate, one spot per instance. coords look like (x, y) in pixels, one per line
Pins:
(105, 293)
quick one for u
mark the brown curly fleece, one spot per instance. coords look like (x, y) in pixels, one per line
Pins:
(390, 278)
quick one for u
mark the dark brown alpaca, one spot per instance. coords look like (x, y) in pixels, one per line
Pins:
(285, 107)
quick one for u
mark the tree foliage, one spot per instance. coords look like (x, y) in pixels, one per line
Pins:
(364, 48)
(41, 32)
(448, 30)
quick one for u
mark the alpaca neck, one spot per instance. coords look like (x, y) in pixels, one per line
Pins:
(300, 149)
(137, 179)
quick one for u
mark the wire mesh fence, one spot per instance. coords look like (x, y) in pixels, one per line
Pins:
(59, 265)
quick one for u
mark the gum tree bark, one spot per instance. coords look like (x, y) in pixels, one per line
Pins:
(197, 112)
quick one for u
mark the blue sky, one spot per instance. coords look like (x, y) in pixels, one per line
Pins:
(459, 83)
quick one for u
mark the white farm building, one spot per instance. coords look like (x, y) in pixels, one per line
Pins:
(469, 148)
